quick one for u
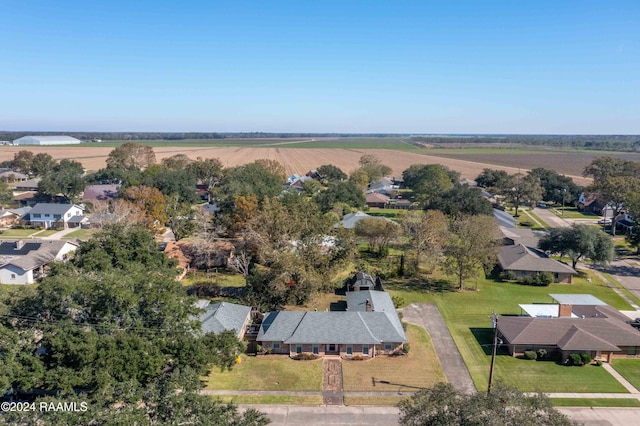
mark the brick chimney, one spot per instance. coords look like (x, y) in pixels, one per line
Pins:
(564, 310)
(367, 306)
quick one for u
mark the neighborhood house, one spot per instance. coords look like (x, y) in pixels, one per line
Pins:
(50, 215)
(24, 262)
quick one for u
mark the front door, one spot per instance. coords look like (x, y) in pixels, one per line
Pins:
(332, 348)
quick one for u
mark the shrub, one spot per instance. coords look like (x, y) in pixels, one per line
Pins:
(575, 359)
(305, 356)
(398, 301)
(526, 280)
(598, 363)
(543, 278)
(509, 275)
(542, 353)
(586, 358)
(357, 358)
(530, 355)
(405, 348)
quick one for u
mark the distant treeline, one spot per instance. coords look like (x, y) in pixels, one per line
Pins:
(142, 136)
(630, 143)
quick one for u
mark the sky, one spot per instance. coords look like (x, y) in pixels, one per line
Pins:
(422, 67)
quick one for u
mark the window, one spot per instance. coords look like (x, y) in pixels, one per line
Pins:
(57, 216)
(365, 350)
(68, 214)
(276, 345)
(387, 346)
(349, 350)
(316, 350)
(13, 276)
(37, 215)
(298, 349)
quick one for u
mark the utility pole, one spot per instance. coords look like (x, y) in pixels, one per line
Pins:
(564, 192)
(494, 323)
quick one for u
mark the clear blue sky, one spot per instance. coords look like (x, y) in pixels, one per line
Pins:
(321, 66)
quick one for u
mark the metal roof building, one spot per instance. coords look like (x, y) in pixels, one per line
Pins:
(46, 140)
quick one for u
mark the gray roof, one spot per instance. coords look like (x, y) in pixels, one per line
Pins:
(21, 211)
(520, 258)
(77, 219)
(577, 299)
(31, 183)
(51, 208)
(354, 327)
(32, 254)
(380, 302)
(31, 140)
(280, 325)
(223, 316)
(591, 333)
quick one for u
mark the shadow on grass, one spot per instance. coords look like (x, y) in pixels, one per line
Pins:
(374, 381)
(484, 337)
(421, 284)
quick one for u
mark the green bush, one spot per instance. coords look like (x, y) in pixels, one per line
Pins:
(543, 278)
(532, 355)
(586, 358)
(405, 348)
(575, 359)
(509, 275)
(542, 353)
(598, 363)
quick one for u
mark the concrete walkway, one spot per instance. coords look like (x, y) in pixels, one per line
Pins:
(332, 382)
(58, 235)
(428, 316)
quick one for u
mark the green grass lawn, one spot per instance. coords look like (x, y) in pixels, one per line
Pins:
(419, 369)
(45, 233)
(373, 400)
(222, 277)
(268, 372)
(572, 213)
(388, 213)
(543, 225)
(595, 402)
(467, 316)
(629, 369)
(80, 234)
(17, 233)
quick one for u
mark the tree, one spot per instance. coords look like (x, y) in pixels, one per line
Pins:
(241, 263)
(331, 173)
(372, 166)
(470, 245)
(64, 179)
(492, 179)
(360, 179)
(251, 179)
(274, 167)
(6, 194)
(444, 405)
(131, 156)
(428, 181)
(379, 232)
(346, 192)
(462, 200)
(177, 162)
(521, 189)
(614, 180)
(557, 188)
(172, 181)
(151, 202)
(42, 164)
(23, 161)
(179, 217)
(579, 241)
(208, 171)
(426, 233)
(633, 208)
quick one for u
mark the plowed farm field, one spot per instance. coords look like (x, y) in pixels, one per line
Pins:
(301, 160)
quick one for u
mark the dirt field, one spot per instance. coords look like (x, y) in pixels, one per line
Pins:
(295, 160)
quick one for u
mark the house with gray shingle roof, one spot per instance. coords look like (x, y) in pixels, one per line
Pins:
(52, 215)
(369, 327)
(221, 316)
(525, 261)
(24, 262)
(598, 330)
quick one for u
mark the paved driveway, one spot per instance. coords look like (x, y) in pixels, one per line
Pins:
(428, 317)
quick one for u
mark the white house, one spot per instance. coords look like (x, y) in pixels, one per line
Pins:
(50, 215)
(23, 262)
(46, 140)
